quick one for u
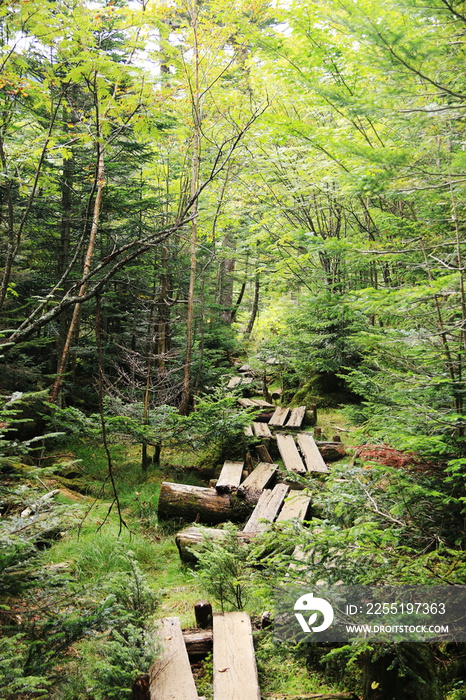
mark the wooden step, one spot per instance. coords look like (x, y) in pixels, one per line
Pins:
(261, 430)
(297, 417)
(230, 477)
(248, 431)
(311, 454)
(170, 676)
(290, 455)
(296, 505)
(234, 661)
(258, 479)
(279, 417)
(267, 508)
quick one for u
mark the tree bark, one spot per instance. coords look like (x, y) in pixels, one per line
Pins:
(255, 308)
(100, 180)
(196, 103)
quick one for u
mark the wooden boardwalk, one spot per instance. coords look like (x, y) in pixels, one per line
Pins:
(289, 453)
(258, 480)
(297, 417)
(234, 661)
(279, 417)
(266, 510)
(311, 454)
(170, 676)
(261, 430)
(230, 477)
(255, 403)
(296, 505)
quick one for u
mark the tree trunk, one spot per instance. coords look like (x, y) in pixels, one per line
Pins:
(196, 103)
(100, 185)
(255, 308)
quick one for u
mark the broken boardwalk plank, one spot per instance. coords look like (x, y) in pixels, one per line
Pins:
(290, 455)
(230, 477)
(267, 507)
(257, 480)
(261, 430)
(297, 417)
(170, 674)
(313, 458)
(296, 505)
(279, 417)
(234, 661)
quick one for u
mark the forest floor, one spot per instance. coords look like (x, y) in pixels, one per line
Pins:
(94, 547)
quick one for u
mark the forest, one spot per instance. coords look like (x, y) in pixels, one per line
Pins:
(208, 210)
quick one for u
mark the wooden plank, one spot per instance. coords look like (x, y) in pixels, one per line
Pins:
(297, 417)
(290, 455)
(261, 430)
(248, 431)
(230, 477)
(170, 676)
(279, 417)
(247, 403)
(255, 483)
(263, 454)
(263, 404)
(234, 382)
(296, 505)
(268, 505)
(313, 458)
(234, 661)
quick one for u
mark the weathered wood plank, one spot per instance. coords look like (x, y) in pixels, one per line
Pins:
(263, 404)
(234, 661)
(248, 431)
(268, 505)
(296, 505)
(230, 477)
(263, 454)
(257, 480)
(170, 674)
(279, 417)
(247, 403)
(234, 382)
(290, 455)
(261, 430)
(311, 454)
(198, 643)
(297, 417)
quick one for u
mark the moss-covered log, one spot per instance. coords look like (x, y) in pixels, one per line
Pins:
(198, 503)
(192, 538)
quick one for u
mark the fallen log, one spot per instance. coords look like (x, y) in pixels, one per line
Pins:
(331, 451)
(198, 643)
(192, 538)
(196, 503)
